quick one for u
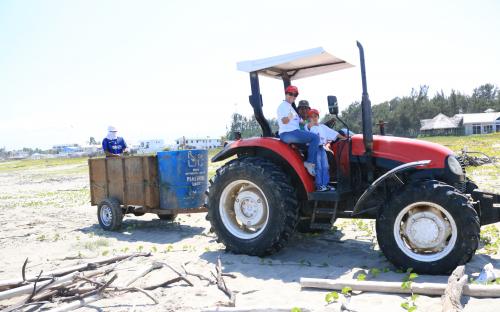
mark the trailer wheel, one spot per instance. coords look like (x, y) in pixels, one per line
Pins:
(110, 214)
(167, 217)
(252, 206)
(430, 227)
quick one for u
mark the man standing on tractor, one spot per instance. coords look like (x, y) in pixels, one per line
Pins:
(289, 129)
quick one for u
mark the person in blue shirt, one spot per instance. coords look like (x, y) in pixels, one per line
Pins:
(112, 144)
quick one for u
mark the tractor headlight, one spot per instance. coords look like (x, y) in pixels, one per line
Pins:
(454, 165)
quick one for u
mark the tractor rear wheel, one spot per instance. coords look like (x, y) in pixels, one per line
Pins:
(252, 206)
(430, 227)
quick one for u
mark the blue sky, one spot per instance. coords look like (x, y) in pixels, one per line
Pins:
(164, 69)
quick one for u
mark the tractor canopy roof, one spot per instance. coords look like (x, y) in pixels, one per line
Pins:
(296, 65)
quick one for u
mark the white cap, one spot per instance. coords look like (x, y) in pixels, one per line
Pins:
(112, 129)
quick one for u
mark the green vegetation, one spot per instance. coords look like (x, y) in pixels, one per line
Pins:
(29, 164)
(410, 305)
(486, 176)
(361, 277)
(248, 126)
(490, 239)
(408, 279)
(485, 143)
(60, 199)
(332, 297)
(96, 244)
(212, 167)
(403, 114)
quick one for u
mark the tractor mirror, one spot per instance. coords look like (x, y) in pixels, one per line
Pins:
(333, 106)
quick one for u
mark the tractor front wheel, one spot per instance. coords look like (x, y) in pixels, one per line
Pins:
(430, 227)
(252, 206)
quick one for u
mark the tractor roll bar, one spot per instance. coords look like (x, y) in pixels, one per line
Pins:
(256, 101)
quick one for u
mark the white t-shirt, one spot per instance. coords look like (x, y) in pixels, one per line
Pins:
(325, 134)
(283, 111)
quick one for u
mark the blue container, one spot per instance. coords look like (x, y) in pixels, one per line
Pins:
(183, 178)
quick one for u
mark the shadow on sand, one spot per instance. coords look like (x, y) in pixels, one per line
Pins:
(154, 231)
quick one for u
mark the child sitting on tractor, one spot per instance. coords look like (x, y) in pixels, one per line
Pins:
(325, 135)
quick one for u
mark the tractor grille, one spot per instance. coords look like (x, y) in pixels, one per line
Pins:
(461, 186)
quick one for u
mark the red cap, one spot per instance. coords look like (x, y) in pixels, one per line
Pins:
(313, 112)
(292, 89)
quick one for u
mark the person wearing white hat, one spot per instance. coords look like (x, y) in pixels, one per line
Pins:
(112, 144)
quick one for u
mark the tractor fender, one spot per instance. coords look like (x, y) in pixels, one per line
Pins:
(275, 149)
(382, 178)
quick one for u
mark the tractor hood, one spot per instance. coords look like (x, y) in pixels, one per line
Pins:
(403, 150)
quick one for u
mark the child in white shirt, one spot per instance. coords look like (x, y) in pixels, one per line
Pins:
(325, 135)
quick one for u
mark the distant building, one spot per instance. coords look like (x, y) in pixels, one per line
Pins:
(67, 148)
(150, 146)
(197, 143)
(481, 123)
(92, 149)
(461, 124)
(18, 155)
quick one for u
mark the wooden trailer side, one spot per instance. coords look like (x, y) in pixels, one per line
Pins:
(133, 181)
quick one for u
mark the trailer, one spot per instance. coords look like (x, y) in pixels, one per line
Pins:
(167, 184)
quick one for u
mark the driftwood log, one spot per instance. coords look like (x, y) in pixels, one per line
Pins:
(430, 289)
(142, 273)
(12, 283)
(77, 304)
(89, 282)
(221, 284)
(453, 292)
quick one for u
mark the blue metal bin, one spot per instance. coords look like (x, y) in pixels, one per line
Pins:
(183, 178)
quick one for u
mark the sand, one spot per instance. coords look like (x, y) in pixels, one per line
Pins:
(45, 215)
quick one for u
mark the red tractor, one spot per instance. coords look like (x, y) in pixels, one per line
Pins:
(428, 213)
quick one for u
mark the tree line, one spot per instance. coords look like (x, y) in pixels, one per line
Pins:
(402, 115)
(247, 126)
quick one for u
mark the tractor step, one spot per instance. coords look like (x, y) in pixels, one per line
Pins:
(323, 218)
(331, 196)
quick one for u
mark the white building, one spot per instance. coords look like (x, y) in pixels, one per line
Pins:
(150, 146)
(462, 124)
(197, 143)
(480, 123)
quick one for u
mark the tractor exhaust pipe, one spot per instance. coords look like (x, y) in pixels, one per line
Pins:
(366, 113)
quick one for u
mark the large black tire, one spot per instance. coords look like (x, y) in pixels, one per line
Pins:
(110, 214)
(267, 180)
(167, 217)
(429, 196)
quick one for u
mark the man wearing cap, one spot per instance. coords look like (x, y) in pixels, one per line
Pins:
(289, 128)
(303, 109)
(112, 144)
